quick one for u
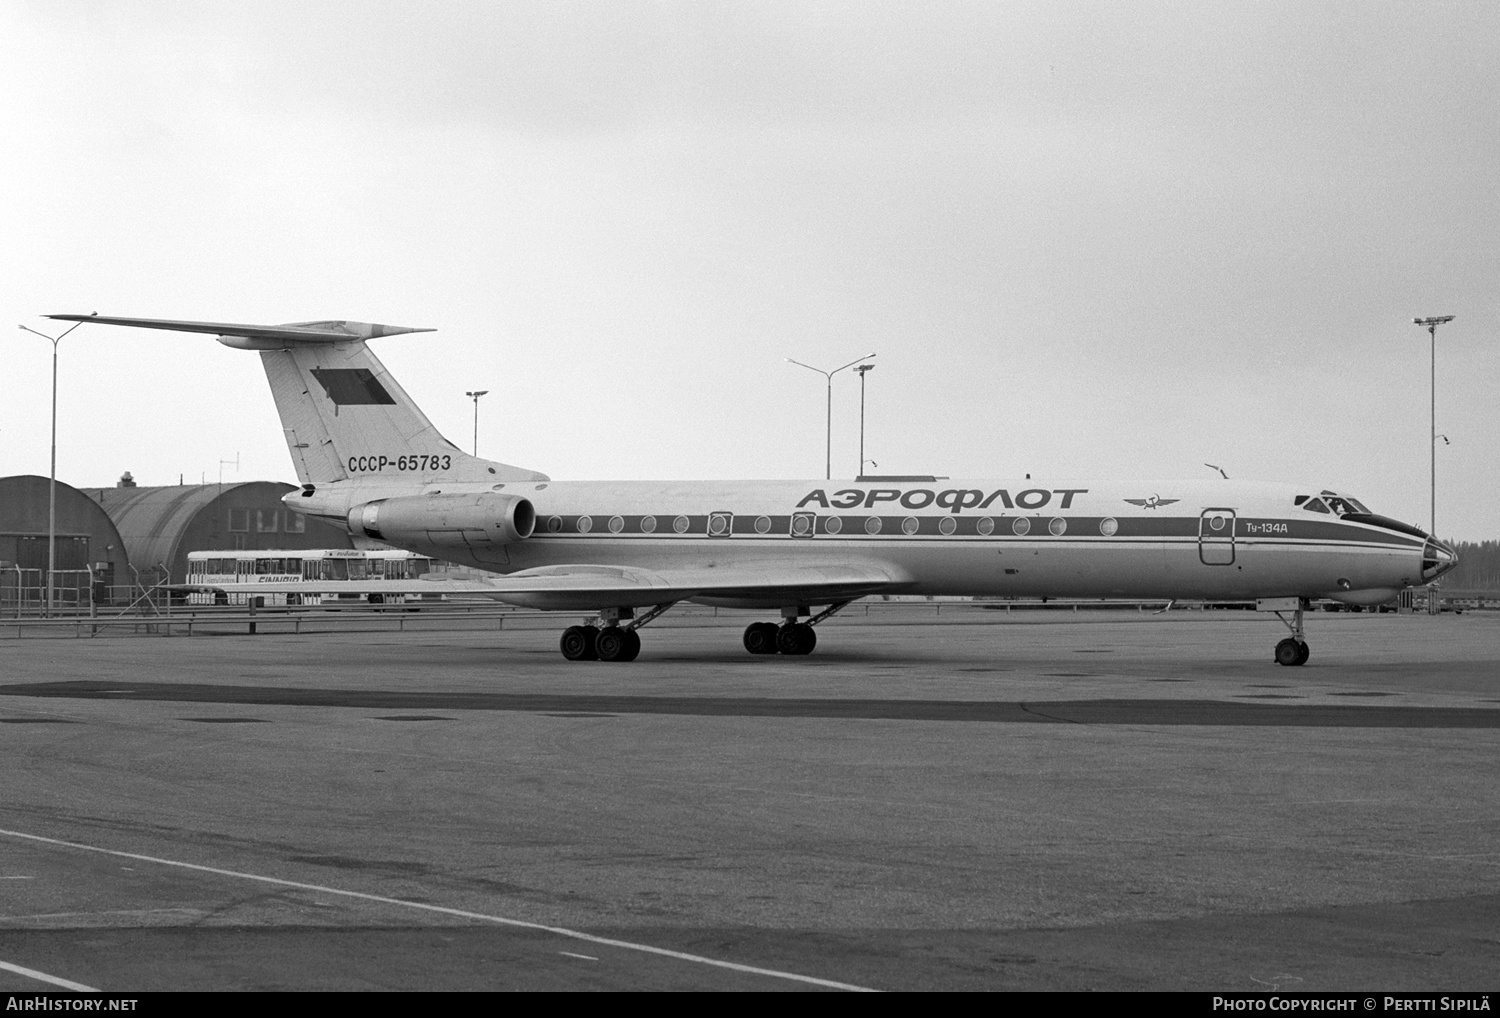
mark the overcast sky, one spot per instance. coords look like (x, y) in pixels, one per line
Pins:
(1086, 239)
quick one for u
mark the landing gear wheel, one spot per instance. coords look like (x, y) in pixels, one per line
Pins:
(578, 643)
(1306, 652)
(796, 638)
(1291, 652)
(616, 644)
(760, 638)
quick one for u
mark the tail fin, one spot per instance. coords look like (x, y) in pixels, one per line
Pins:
(343, 414)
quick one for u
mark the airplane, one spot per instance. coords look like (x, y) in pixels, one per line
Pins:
(369, 460)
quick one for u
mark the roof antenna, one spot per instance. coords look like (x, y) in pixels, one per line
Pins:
(222, 465)
(1219, 469)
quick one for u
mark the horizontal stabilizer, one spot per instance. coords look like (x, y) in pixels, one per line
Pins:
(300, 332)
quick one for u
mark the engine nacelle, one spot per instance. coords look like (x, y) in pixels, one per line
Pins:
(475, 520)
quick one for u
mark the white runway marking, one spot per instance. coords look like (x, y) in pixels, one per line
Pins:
(66, 984)
(443, 910)
(585, 957)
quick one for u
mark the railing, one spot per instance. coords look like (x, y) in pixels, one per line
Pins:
(24, 591)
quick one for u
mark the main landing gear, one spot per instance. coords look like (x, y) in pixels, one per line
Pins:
(1293, 650)
(608, 640)
(791, 637)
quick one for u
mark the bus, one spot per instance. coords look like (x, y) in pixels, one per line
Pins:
(322, 569)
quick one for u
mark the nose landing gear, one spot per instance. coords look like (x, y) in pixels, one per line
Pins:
(1293, 650)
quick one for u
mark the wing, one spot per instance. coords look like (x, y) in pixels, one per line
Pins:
(590, 587)
(760, 584)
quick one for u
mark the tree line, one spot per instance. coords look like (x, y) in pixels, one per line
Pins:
(1478, 566)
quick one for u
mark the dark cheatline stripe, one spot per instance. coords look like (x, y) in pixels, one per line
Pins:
(1076, 527)
(1083, 712)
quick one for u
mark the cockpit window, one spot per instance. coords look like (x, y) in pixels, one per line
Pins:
(1343, 506)
(1332, 501)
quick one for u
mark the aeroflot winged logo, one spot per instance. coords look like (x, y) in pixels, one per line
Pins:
(1154, 502)
(955, 500)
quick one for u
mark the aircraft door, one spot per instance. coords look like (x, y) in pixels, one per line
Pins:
(1216, 537)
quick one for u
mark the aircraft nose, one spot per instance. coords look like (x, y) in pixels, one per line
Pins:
(1437, 559)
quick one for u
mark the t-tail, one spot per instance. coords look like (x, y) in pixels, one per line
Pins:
(344, 416)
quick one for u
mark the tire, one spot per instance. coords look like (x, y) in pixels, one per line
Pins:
(796, 638)
(760, 638)
(632, 646)
(1289, 652)
(1305, 654)
(578, 643)
(611, 644)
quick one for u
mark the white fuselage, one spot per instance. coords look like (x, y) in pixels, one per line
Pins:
(1159, 539)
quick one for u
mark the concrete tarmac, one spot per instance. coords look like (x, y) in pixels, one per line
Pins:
(982, 800)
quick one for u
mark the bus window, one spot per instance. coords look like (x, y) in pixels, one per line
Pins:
(356, 568)
(418, 567)
(294, 566)
(377, 567)
(335, 569)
